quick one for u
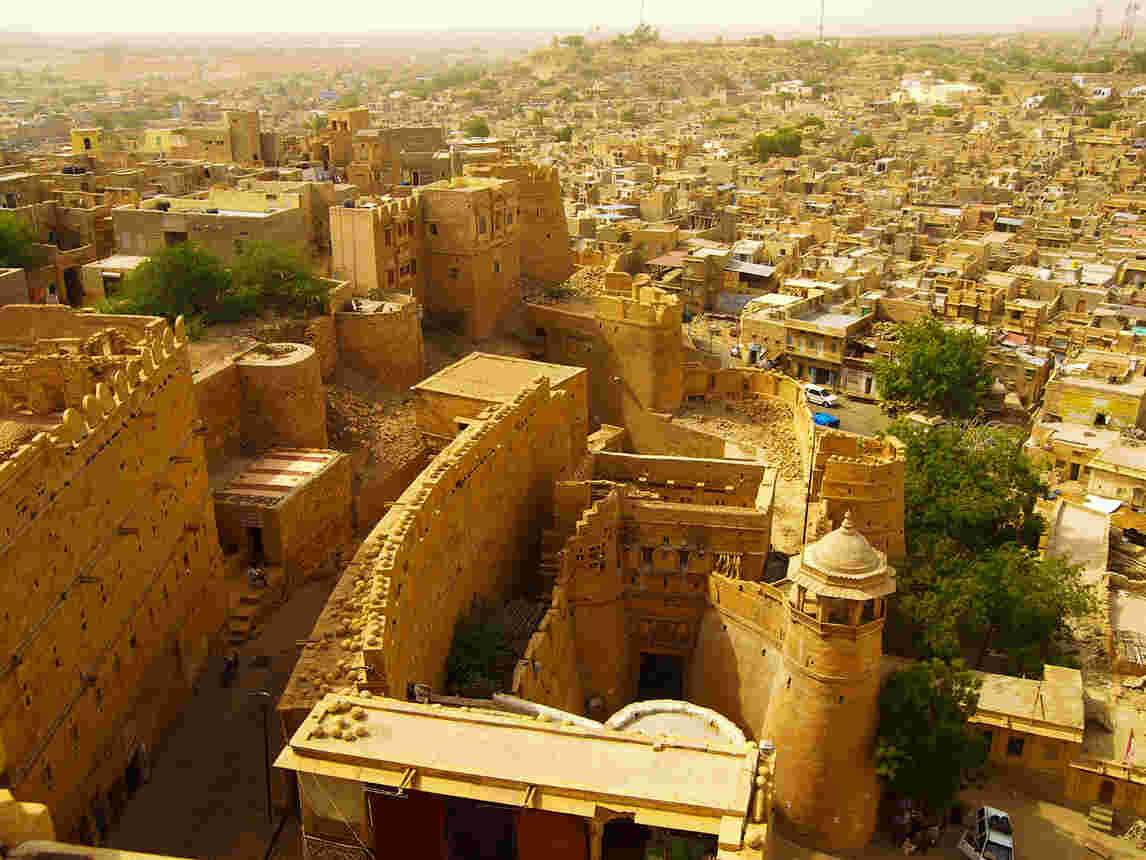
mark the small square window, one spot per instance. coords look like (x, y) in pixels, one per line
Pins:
(481, 223)
(454, 272)
(496, 266)
(1015, 747)
(433, 229)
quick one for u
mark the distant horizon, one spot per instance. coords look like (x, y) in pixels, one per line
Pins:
(676, 20)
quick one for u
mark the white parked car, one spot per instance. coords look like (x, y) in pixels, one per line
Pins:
(820, 396)
(992, 837)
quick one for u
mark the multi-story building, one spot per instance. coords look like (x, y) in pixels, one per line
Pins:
(109, 562)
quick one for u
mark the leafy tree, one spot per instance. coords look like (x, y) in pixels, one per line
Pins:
(994, 88)
(784, 141)
(925, 743)
(629, 115)
(863, 141)
(184, 279)
(1056, 99)
(936, 367)
(1138, 62)
(567, 95)
(978, 77)
(973, 581)
(350, 100)
(973, 486)
(18, 241)
(1103, 120)
(188, 280)
(476, 127)
(480, 654)
(565, 134)
(943, 110)
(280, 277)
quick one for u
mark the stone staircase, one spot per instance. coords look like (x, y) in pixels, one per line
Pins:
(247, 604)
(1101, 818)
(551, 544)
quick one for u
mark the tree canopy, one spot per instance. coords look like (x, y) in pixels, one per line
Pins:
(476, 127)
(783, 141)
(565, 134)
(925, 743)
(18, 241)
(973, 581)
(188, 280)
(936, 367)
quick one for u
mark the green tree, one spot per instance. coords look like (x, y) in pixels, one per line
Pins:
(628, 115)
(1103, 120)
(278, 277)
(1056, 99)
(476, 127)
(183, 280)
(18, 241)
(925, 743)
(863, 141)
(935, 367)
(973, 486)
(784, 141)
(994, 88)
(943, 110)
(973, 581)
(565, 134)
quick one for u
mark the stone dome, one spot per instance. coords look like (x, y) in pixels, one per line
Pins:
(843, 563)
(844, 550)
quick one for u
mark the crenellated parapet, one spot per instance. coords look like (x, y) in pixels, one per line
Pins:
(83, 390)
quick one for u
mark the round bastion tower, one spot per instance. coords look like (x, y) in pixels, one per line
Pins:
(823, 711)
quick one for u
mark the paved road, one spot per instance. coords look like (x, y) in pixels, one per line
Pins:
(858, 416)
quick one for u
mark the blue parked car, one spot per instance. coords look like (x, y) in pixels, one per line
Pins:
(825, 420)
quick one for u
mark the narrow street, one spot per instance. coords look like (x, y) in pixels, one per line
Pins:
(206, 796)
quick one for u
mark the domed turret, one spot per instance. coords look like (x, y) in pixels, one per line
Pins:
(842, 578)
(823, 707)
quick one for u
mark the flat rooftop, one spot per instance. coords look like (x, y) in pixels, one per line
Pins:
(273, 477)
(494, 747)
(828, 319)
(1052, 707)
(119, 261)
(495, 378)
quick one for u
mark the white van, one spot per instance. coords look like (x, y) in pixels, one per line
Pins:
(991, 839)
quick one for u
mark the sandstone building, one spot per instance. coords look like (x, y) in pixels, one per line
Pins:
(110, 563)
(656, 588)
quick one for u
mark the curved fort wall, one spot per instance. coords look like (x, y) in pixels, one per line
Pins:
(109, 564)
(283, 399)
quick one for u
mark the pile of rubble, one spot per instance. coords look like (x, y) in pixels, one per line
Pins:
(765, 423)
(585, 282)
(382, 425)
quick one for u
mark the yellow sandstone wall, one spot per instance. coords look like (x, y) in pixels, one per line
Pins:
(283, 402)
(109, 562)
(465, 528)
(386, 346)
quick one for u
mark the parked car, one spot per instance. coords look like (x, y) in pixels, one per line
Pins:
(992, 837)
(826, 419)
(820, 396)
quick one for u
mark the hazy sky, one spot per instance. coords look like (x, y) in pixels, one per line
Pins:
(843, 17)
